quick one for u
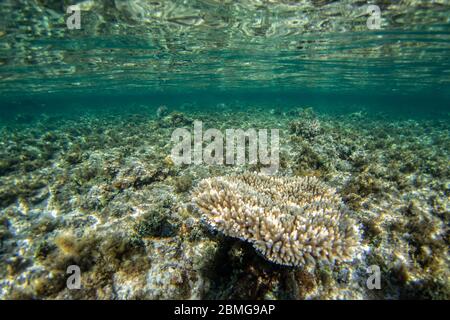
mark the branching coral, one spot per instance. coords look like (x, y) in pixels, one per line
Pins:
(295, 221)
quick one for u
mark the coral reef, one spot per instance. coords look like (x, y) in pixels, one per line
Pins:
(99, 190)
(291, 221)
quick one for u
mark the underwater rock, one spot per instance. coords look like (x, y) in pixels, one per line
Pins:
(290, 221)
(183, 183)
(153, 224)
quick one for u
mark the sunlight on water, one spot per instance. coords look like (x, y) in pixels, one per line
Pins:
(141, 45)
(223, 149)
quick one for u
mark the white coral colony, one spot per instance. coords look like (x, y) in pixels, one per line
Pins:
(294, 221)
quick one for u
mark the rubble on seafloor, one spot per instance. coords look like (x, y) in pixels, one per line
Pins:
(101, 192)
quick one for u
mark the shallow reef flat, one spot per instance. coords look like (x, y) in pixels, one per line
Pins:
(101, 191)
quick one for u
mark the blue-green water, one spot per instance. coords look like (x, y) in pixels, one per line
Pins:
(316, 52)
(87, 175)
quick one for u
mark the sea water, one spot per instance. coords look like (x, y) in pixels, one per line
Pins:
(91, 93)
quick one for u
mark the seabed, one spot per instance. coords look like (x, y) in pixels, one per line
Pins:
(88, 180)
(101, 192)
